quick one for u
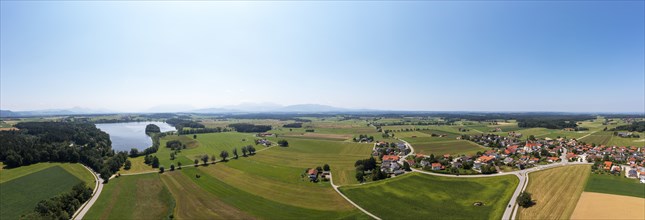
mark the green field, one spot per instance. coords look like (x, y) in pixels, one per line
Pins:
(608, 138)
(421, 196)
(454, 147)
(618, 185)
(234, 200)
(266, 185)
(133, 197)
(20, 195)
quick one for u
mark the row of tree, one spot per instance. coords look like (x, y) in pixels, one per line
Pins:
(293, 125)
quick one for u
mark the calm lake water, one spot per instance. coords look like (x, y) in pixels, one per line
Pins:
(128, 135)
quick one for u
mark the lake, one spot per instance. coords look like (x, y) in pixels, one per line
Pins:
(128, 135)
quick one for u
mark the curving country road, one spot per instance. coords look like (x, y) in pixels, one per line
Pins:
(98, 187)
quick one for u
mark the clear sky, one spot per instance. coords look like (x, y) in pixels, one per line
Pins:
(484, 56)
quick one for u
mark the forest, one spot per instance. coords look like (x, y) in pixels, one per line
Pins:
(246, 127)
(59, 142)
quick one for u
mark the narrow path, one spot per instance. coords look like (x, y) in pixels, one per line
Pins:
(331, 180)
(98, 187)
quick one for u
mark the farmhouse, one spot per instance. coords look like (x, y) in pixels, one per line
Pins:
(607, 165)
(437, 166)
(483, 160)
(313, 174)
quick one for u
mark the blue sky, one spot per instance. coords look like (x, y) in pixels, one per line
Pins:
(471, 56)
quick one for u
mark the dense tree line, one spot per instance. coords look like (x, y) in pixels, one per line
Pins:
(638, 126)
(246, 127)
(293, 125)
(202, 130)
(547, 123)
(182, 123)
(152, 128)
(62, 206)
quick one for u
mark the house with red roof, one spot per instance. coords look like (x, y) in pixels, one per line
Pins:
(437, 166)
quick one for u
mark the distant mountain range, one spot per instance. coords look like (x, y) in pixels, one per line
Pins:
(259, 108)
(241, 108)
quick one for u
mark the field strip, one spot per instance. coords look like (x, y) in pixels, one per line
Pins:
(331, 179)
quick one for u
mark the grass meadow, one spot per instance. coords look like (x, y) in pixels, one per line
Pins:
(133, 197)
(555, 192)
(618, 185)
(421, 196)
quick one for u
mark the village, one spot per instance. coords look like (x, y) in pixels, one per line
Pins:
(507, 154)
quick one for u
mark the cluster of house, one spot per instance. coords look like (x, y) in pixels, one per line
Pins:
(392, 153)
(264, 142)
(622, 155)
(386, 148)
(519, 155)
(633, 170)
(491, 140)
(390, 164)
(314, 174)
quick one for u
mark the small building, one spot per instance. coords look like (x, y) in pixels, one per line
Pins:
(607, 165)
(437, 166)
(313, 174)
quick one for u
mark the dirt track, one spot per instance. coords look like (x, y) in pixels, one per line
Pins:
(607, 206)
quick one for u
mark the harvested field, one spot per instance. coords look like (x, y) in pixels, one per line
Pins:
(555, 192)
(606, 206)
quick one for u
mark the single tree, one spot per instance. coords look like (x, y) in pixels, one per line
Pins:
(213, 158)
(155, 162)
(127, 165)
(161, 169)
(172, 167)
(235, 153)
(223, 155)
(172, 155)
(196, 162)
(205, 159)
(524, 199)
(360, 176)
(179, 165)
(406, 166)
(244, 151)
(194, 136)
(134, 152)
(319, 169)
(326, 167)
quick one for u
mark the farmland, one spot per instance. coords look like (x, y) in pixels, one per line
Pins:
(133, 197)
(236, 200)
(426, 196)
(454, 147)
(555, 192)
(21, 193)
(607, 206)
(618, 185)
